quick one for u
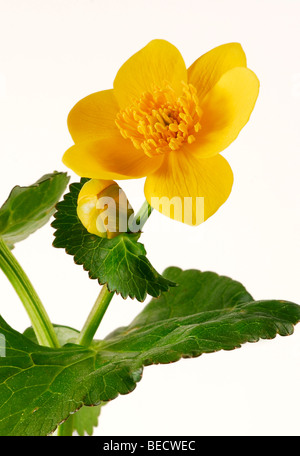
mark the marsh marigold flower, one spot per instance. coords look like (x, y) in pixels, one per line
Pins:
(168, 123)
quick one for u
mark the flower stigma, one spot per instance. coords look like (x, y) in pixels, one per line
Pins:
(161, 121)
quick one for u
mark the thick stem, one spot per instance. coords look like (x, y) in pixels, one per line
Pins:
(95, 317)
(38, 316)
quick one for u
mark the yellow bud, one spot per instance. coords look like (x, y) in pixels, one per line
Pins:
(103, 208)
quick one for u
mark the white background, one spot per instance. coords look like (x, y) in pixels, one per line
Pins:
(55, 52)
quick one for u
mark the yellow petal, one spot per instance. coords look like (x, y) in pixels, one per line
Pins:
(187, 188)
(94, 116)
(206, 71)
(226, 110)
(157, 64)
(109, 158)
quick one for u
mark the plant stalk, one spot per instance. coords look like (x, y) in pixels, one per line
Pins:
(142, 216)
(95, 317)
(39, 318)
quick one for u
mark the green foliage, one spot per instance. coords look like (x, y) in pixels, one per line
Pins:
(29, 208)
(121, 262)
(40, 387)
(86, 419)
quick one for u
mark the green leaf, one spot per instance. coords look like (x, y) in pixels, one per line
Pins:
(86, 419)
(40, 386)
(121, 262)
(204, 314)
(29, 208)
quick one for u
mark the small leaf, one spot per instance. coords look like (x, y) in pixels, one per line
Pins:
(40, 386)
(86, 419)
(29, 208)
(121, 262)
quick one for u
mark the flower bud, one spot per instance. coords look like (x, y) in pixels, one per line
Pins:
(103, 208)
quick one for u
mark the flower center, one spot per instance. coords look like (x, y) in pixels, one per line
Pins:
(160, 121)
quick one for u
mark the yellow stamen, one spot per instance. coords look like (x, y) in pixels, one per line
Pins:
(160, 122)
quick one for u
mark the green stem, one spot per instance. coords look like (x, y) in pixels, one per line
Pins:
(66, 429)
(95, 317)
(39, 319)
(142, 216)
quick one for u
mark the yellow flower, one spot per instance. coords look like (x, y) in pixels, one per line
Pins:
(168, 123)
